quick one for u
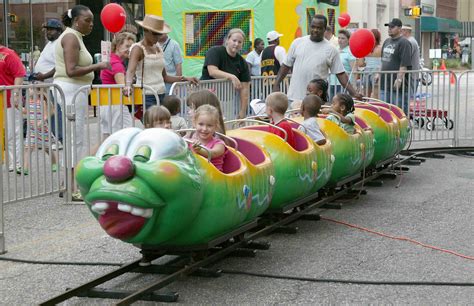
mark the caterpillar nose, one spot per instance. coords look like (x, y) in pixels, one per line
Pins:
(118, 169)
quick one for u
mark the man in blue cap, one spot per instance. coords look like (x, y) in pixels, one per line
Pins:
(45, 66)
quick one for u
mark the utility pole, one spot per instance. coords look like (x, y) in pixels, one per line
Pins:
(418, 24)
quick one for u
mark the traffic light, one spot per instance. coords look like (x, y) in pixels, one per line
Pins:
(13, 18)
(414, 11)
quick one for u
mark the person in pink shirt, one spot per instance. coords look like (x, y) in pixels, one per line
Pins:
(12, 72)
(206, 122)
(116, 117)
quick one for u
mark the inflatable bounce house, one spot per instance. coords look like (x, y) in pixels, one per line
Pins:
(199, 25)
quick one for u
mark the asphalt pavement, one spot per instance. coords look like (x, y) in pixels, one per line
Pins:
(432, 205)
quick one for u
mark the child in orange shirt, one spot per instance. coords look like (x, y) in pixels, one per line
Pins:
(277, 104)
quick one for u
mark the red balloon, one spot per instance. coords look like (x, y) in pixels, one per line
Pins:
(362, 42)
(113, 17)
(344, 20)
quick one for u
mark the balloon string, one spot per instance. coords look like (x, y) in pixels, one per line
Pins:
(348, 81)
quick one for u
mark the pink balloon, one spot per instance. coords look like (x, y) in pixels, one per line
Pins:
(113, 17)
(344, 20)
(361, 43)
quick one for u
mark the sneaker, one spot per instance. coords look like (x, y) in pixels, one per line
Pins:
(56, 146)
(77, 197)
(19, 170)
(54, 167)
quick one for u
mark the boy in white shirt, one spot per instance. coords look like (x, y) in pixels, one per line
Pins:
(309, 109)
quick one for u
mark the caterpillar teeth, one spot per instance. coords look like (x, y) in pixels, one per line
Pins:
(101, 207)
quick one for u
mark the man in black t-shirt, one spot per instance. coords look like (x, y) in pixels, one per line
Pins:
(273, 55)
(396, 56)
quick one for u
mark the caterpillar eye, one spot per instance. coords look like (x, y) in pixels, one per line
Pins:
(142, 154)
(111, 151)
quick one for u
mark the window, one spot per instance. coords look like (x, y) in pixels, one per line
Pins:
(207, 29)
(331, 14)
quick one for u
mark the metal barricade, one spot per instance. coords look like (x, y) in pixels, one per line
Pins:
(114, 111)
(464, 116)
(428, 97)
(229, 97)
(31, 151)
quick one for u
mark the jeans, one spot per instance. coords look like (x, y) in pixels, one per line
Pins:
(398, 98)
(150, 100)
(59, 115)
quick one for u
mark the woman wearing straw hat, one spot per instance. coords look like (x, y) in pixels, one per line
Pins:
(147, 63)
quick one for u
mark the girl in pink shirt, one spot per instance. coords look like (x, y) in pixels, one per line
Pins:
(206, 122)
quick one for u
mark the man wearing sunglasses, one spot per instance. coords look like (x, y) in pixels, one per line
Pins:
(396, 56)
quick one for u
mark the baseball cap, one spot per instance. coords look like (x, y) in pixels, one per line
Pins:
(53, 23)
(406, 27)
(273, 35)
(394, 23)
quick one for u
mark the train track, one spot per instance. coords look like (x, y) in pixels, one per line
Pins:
(240, 242)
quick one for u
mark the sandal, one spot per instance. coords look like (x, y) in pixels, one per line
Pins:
(19, 170)
(77, 197)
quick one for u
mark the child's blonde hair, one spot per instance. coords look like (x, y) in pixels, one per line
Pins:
(209, 110)
(156, 114)
(278, 101)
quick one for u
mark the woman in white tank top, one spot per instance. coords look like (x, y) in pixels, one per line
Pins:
(147, 64)
(74, 69)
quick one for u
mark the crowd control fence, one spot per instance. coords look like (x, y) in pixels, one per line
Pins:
(440, 105)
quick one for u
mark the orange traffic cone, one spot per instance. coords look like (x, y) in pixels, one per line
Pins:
(452, 78)
(443, 67)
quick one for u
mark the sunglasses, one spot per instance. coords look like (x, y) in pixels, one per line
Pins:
(392, 26)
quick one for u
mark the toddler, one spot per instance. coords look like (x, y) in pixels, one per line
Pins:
(157, 117)
(206, 123)
(342, 112)
(38, 114)
(203, 97)
(173, 104)
(277, 104)
(310, 108)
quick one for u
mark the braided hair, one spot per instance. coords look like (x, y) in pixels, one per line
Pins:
(323, 85)
(347, 101)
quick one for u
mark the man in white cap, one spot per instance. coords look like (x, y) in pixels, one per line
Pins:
(415, 56)
(273, 55)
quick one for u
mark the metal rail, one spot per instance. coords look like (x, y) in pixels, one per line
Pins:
(306, 205)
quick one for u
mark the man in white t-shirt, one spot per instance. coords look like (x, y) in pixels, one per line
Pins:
(329, 35)
(45, 68)
(312, 57)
